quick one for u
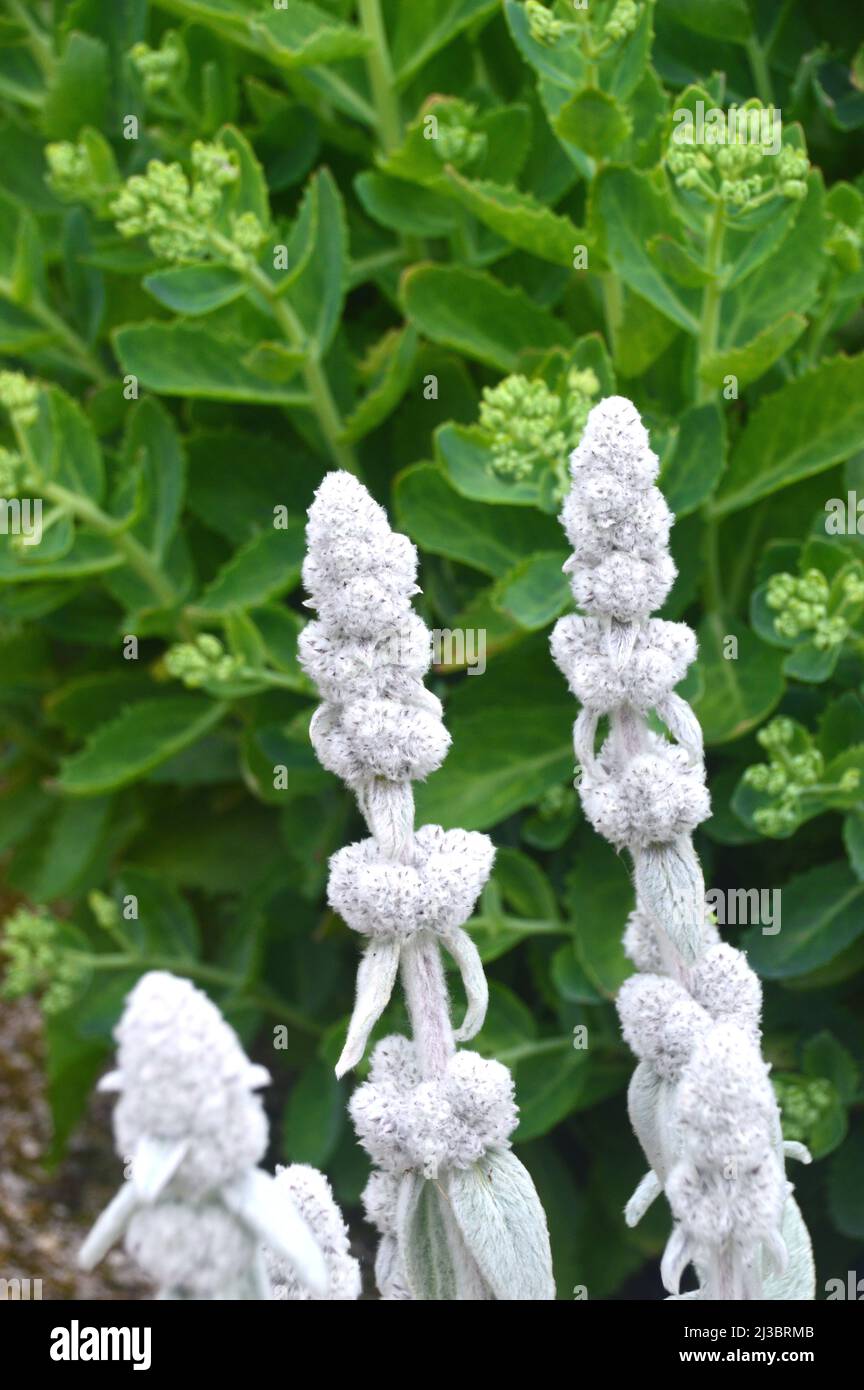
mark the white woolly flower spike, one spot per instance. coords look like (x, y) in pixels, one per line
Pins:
(379, 729)
(195, 1207)
(429, 1116)
(700, 1101)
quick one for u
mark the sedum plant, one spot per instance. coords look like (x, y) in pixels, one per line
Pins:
(195, 1211)
(457, 1212)
(700, 1101)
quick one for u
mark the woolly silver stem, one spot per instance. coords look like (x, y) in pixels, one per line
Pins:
(428, 1005)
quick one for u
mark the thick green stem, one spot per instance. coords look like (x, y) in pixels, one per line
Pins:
(131, 550)
(709, 321)
(381, 80)
(39, 43)
(613, 307)
(314, 374)
(78, 350)
(760, 70)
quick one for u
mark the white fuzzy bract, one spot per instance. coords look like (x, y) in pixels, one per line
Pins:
(184, 1076)
(406, 1123)
(434, 889)
(658, 796)
(616, 520)
(602, 678)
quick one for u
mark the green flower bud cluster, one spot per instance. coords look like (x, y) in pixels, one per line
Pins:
(19, 396)
(11, 473)
(556, 802)
(542, 24)
(622, 21)
(202, 662)
(85, 172)
(458, 145)
(104, 909)
(156, 66)
(803, 1101)
(37, 960)
(737, 166)
(792, 169)
(844, 217)
(177, 214)
(795, 768)
(809, 605)
(69, 169)
(529, 425)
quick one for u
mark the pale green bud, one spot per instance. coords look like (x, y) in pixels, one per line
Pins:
(19, 396)
(542, 24)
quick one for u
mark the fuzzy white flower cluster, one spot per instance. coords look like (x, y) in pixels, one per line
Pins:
(367, 651)
(616, 520)
(405, 1122)
(380, 1205)
(700, 1100)
(434, 889)
(195, 1209)
(658, 796)
(642, 676)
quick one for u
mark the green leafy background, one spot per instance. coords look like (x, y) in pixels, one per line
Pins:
(405, 269)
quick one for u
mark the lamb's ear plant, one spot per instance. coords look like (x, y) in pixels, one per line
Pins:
(457, 1212)
(700, 1101)
(198, 1215)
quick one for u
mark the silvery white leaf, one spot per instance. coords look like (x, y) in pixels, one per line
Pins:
(797, 1283)
(263, 1206)
(376, 975)
(682, 724)
(467, 957)
(154, 1163)
(504, 1226)
(109, 1226)
(648, 1191)
(437, 1263)
(670, 886)
(423, 1245)
(650, 1102)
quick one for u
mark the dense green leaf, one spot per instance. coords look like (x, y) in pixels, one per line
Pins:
(635, 210)
(181, 359)
(803, 428)
(697, 456)
(139, 739)
(595, 122)
(195, 289)
(489, 540)
(262, 569)
(741, 679)
(477, 315)
(822, 916)
(519, 218)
